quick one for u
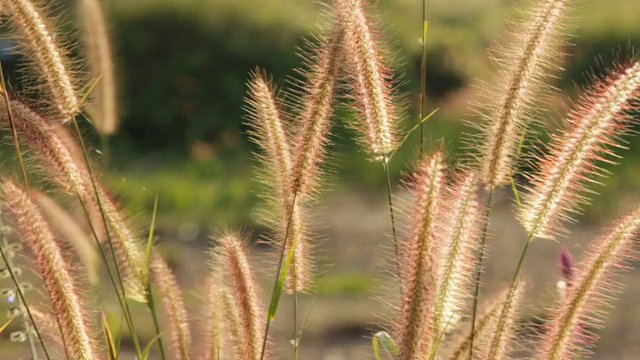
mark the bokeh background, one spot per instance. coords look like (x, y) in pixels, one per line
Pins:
(182, 68)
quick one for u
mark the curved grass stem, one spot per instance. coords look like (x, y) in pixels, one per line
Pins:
(280, 277)
(123, 301)
(423, 71)
(156, 324)
(296, 337)
(483, 244)
(385, 165)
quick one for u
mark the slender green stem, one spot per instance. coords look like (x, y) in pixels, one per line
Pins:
(124, 302)
(385, 165)
(483, 245)
(296, 338)
(156, 323)
(120, 295)
(279, 271)
(423, 71)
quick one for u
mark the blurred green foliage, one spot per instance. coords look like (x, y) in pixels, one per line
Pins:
(183, 65)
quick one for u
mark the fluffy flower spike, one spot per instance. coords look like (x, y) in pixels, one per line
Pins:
(594, 128)
(525, 62)
(242, 312)
(455, 257)
(414, 332)
(40, 42)
(61, 288)
(271, 133)
(567, 334)
(369, 79)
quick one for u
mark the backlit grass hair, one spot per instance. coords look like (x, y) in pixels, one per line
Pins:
(40, 41)
(526, 60)
(61, 156)
(455, 252)
(413, 331)
(272, 133)
(242, 312)
(61, 288)
(104, 106)
(593, 130)
(570, 331)
(174, 307)
(369, 79)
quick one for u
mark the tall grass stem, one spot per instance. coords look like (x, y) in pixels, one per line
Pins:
(483, 245)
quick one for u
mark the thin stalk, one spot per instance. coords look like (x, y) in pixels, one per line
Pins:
(64, 342)
(277, 280)
(150, 300)
(124, 302)
(296, 351)
(483, 244)
(121, 296)
(423, 71)
(156, 323)
(385, 165)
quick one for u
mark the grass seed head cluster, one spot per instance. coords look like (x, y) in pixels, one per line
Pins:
(438, 259)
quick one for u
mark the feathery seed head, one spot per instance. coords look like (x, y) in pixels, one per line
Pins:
(64, 223)
(209, 322)
(270, 132)
(505, 326)
(244, 314)
(104, 107)
(314, 96)
(525, 63)
(417, 269)
(593, 128)
(582, 307)
(455, 253)
(174, 306)
(369, 79)
(484, 329)
(62, 157)
(40, 40)
(61, 288)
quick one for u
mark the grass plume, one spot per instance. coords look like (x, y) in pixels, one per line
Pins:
(525, 62)
(272, 134)
(41, 42)
(455, 258)
(593, 128)
(174, 306)
(242, 312)
(568, 333)
(98, 48)
(417, 272)
(369, 79)
(61, 288)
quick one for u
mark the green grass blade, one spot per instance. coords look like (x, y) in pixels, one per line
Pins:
(411, 131)
(108, 337)
(147, 349)
(6, 324)
(151, 229)
(382, 338)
